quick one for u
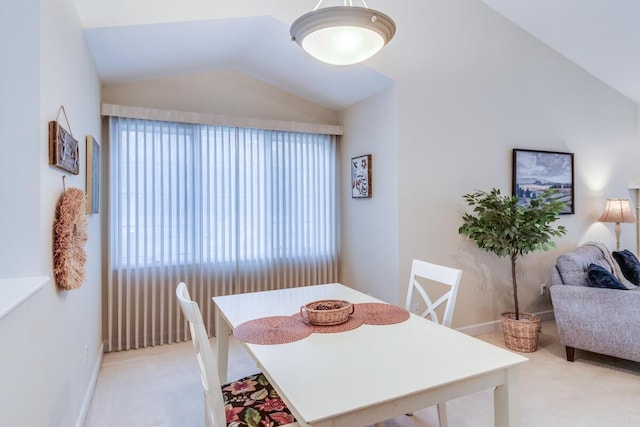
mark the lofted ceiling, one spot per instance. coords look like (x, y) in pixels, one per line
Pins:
(258, 46)
(135, 40)
(602, 37)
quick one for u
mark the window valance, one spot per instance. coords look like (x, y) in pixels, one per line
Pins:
(130, 112)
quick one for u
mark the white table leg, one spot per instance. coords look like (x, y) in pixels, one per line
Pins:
(506, 400)
(222, 345)
(442, 414)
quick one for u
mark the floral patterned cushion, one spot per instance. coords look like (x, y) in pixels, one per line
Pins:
(253, 402)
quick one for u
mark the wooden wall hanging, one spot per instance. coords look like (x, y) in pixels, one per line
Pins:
(63, 147)
(69, 238)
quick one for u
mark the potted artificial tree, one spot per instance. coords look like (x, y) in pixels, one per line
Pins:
(499, 225)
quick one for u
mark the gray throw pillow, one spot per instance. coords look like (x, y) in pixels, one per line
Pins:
(629, 265)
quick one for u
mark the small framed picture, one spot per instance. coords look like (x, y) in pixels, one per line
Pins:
(361, 177)
(536, 171)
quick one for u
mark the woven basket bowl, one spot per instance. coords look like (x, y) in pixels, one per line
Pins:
(521, 335)
(326, 312)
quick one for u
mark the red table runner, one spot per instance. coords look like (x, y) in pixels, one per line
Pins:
(286, 329)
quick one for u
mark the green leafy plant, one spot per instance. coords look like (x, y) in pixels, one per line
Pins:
(499, 225)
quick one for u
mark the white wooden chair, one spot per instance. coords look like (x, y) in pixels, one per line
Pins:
(222, 400)
(445, 276)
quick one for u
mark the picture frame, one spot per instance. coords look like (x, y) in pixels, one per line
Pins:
(361, 177)
(64, 152)
(93, 175)
(535, 171)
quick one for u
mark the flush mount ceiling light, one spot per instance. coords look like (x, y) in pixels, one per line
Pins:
(342, 35)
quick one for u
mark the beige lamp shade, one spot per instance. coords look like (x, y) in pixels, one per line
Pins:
(617, 210)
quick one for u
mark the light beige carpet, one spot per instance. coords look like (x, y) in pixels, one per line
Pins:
(160, 386)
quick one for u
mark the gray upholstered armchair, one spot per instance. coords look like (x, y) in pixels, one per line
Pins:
(605, 321)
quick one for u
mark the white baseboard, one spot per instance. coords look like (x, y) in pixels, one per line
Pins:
(496, 325)
(92, 386)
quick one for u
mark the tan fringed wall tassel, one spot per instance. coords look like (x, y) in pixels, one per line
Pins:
(69, 238)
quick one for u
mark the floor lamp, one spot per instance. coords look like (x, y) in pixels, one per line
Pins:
(636, 188)
(617, 210)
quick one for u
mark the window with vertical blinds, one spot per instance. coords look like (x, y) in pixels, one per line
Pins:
(224, 209)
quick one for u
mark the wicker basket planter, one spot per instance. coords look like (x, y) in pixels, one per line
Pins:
(327, 312)
(521, 335)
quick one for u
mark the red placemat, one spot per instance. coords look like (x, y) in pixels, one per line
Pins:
(273, 330)
(374, 313)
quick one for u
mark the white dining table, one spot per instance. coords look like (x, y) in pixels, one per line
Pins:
(374, 372)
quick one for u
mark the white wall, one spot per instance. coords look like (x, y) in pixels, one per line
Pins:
(19, 134)
(42, 362)
(370, 226)
(224, 92)
(470, 87)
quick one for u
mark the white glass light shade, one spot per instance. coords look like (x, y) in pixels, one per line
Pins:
(342, 35)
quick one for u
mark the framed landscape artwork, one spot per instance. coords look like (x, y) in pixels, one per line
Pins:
(536, 171)
(361, 177)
